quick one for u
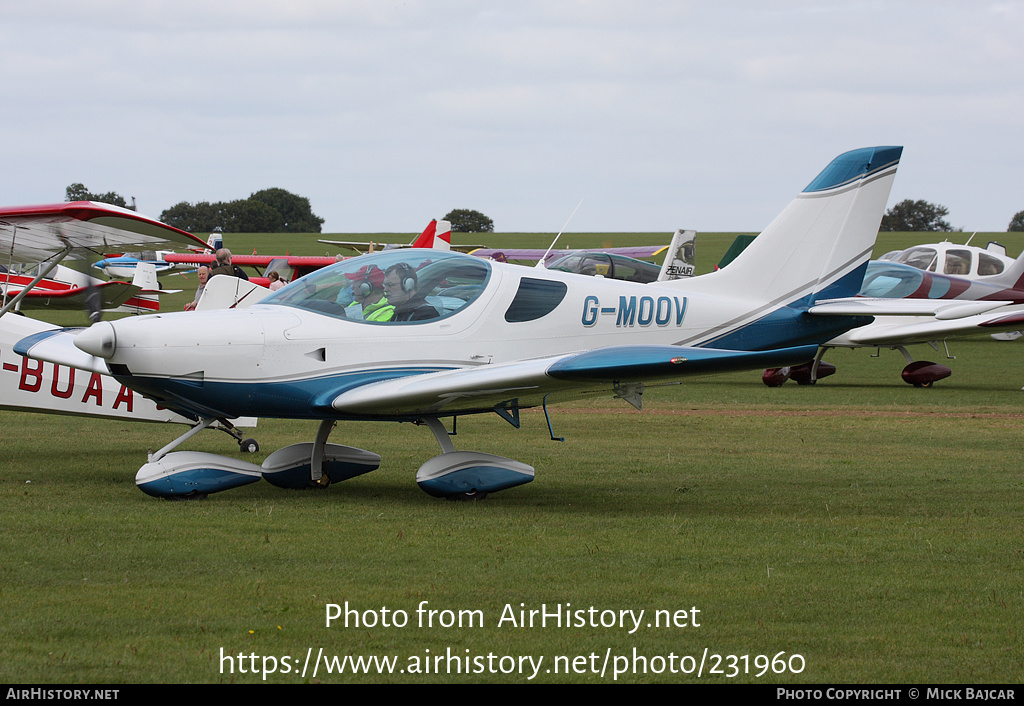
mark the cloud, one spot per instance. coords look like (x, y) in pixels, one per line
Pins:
(659, 114)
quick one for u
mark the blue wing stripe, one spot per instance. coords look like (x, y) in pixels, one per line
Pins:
(647, 362)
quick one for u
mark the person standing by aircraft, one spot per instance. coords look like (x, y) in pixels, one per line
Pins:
(275, 281)
(368, 289)
(224, 266)
(203, 273)
(401, 286)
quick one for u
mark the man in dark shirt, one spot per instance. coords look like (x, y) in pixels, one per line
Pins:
(401, 286)
(224, 266)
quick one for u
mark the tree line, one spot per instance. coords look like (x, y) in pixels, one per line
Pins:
(267, 211)
(913, 216)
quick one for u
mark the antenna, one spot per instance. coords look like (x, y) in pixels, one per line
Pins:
(540, 263)
(971, 238)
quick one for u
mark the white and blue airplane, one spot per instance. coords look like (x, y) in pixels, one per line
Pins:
(469, 336)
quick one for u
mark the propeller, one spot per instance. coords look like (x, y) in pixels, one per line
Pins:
(93, 303)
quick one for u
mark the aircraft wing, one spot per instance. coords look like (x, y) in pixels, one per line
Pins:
(362, 248)
(249, 260)
(359, 246)
(904, 330)
(942, 309)
(526, 383)
(36, 233)
(533, 255)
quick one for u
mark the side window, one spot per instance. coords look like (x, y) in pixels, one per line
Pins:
(988, 265)
(596, 264)
(958, 262)
(535, 298)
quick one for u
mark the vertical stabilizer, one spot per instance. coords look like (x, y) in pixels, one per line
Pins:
(437, 235)
(819, 245)
(443, 236)
(680, 259)
(145, 277)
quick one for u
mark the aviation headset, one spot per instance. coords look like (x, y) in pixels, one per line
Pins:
(363, 288)
(406, 274)
(372, 278)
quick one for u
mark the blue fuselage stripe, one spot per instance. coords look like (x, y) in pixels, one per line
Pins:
(308, 398)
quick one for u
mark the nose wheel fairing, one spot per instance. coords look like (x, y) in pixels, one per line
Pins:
(194, 474)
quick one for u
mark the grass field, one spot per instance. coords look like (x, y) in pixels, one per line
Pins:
(869, 527)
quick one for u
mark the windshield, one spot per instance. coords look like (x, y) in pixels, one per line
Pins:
(921, 257)
(890, 281)
(408, 285)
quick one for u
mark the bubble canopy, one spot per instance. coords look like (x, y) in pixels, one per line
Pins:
(437, 284)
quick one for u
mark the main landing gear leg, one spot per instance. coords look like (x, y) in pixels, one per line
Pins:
(817, 362)
(467, 475)
(317, 464)
(316, 461)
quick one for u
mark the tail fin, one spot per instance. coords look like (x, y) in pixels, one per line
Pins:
(443, 236)
(145, 276)
(437, 235)
(681, 258)
(146, 300)
(818, 247)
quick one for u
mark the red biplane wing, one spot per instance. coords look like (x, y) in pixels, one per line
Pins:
(37, 233)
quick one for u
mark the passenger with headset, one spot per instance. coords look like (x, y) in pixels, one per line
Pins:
(370, 303)
(402, 289)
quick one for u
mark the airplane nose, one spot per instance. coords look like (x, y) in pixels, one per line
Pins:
(98, 340)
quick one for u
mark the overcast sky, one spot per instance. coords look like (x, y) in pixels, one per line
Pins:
(658, 114)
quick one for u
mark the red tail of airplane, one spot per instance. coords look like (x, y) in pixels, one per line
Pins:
(437, 235)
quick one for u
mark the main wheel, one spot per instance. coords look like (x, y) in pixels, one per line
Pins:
(248, 446)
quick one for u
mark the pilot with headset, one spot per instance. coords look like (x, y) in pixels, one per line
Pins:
(401, 287)
(368, 289)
